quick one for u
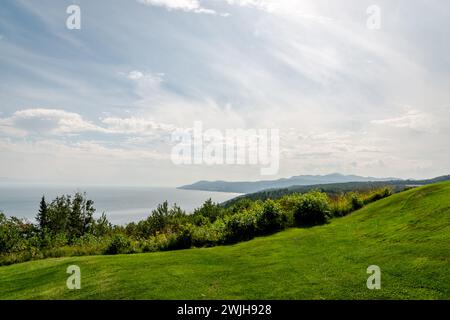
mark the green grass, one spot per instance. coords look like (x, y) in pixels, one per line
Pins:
(407, 235)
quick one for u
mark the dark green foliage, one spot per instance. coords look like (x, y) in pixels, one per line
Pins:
(346, 203)
(65, 222)
(80, 218)
(162, 220)
(59, 212)
(240, 227)
(119, 244)
(378, 194)
(209, 235)
(271, 218)
(331, 189)
(101, 226)
(42, 217)
(183, 239)
(14, 234)
(209, 212)
(240, 205)
(356, 201)
(312, 209)
(66, 216)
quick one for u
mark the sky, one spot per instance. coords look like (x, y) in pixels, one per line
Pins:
(99, 105)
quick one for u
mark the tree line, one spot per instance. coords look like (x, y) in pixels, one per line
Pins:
(66, 226)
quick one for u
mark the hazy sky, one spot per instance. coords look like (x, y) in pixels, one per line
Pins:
(98, 105)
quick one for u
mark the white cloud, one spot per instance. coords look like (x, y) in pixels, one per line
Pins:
(41, 120)
(61, 122)
(170, 109)
(275, 64)
(135, 75)
(298, 9)
(184, 5)
(413, 119)
(136, 126)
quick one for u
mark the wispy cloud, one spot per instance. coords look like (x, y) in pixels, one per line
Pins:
(134, 72)
(59, 122)
(412, 119)
(184, 5)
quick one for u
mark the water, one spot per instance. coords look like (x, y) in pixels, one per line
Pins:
(120, 204)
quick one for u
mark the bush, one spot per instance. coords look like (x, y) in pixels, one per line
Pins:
(159, 242)
(119, 244)
(271, 218)
(182, 239)
(207, 213)
(346, 203)
(66, 226)
(240, 227)
(377, 194)
(163, 219)
(356, 201)
(313, 209)
(14, 234)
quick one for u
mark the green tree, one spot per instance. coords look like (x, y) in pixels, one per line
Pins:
(101, 226)
(59, 212)
(208, 212)
(43, 216)
(80, 219)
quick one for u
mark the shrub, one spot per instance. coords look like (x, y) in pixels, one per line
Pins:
(240, 227)
(313, 209)
(208, 213)
(182, 239)
(377, 194)
(240, 205)
(340, 206)
(163, 219)
(14, 234)
(271, 218)
(209, 235)
(119, 244)
(149, 245)
(158, 242)
(346, 203)
(356, 201)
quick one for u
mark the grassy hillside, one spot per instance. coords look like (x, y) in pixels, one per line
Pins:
(407, 235)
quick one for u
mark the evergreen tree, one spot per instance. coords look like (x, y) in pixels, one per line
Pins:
(43, 216)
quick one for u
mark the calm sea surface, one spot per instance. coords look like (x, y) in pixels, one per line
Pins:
(121, 204)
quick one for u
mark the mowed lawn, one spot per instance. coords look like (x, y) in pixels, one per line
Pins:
(406, 235)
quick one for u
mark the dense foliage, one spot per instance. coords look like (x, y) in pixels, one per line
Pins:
(66, 226)
(334, 189)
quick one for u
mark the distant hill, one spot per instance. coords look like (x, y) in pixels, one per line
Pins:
(337, 188)
(303, 180)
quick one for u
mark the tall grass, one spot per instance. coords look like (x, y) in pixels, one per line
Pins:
(348, 202)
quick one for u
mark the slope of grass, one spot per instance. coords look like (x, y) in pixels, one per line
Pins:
(406, 235)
